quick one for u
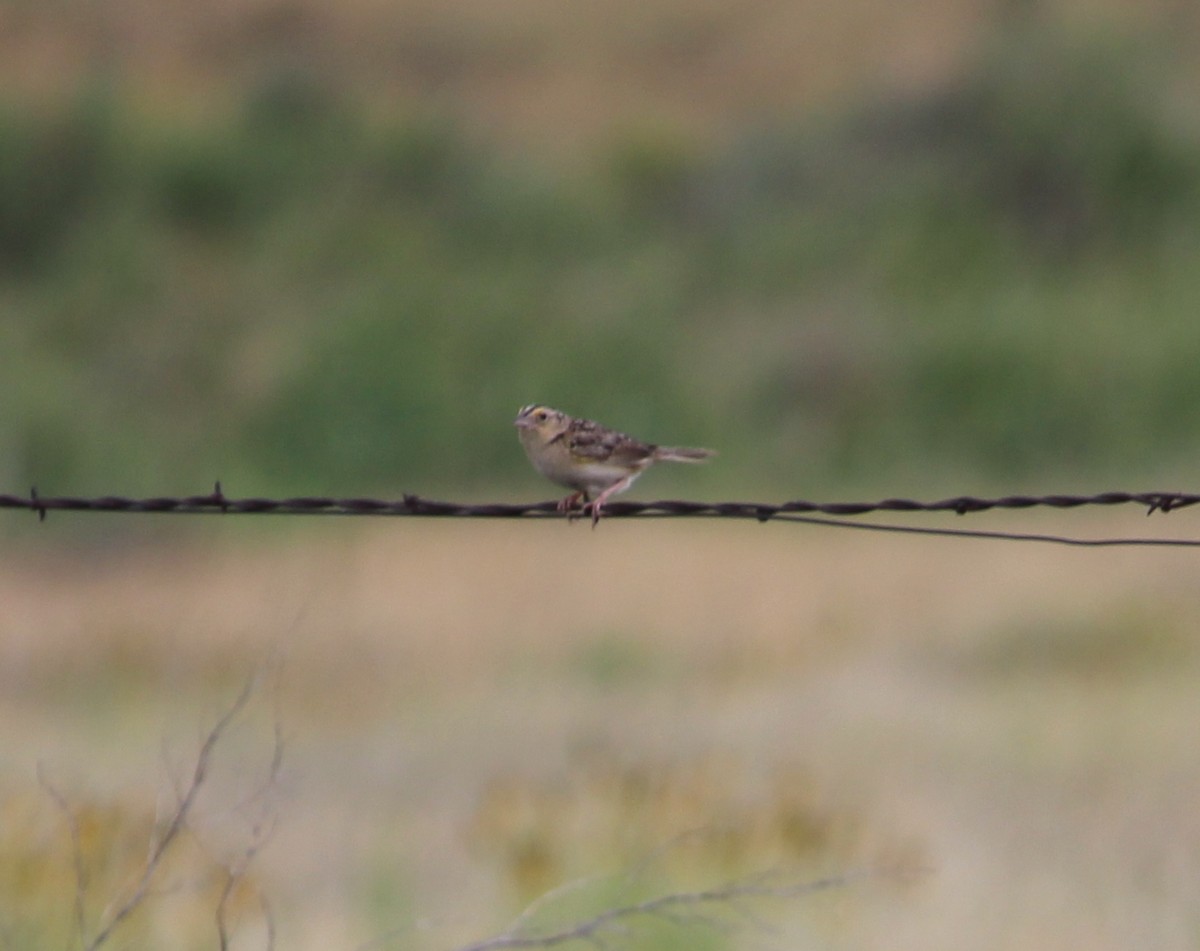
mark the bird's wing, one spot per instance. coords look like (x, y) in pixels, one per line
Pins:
(589, 440)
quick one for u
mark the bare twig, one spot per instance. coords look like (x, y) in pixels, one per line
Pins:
(235, 874)
(77, 862)
(177, 824)
(262, 830)
(547, 898)
(679, 908)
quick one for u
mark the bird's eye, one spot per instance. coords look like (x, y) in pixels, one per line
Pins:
(540, 416)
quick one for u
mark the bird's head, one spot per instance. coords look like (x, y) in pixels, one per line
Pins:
(540, 424)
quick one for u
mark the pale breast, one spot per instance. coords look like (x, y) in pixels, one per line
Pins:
(595, 477)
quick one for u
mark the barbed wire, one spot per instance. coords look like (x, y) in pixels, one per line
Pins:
(217, 502)
(837, 514)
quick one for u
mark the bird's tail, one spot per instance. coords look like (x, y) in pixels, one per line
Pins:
(682, 454)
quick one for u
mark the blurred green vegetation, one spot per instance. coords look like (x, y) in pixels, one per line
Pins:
(995, 282)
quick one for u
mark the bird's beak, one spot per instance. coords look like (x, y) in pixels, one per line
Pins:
(523, 422)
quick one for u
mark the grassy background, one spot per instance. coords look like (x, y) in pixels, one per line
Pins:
(910, 249)
(989, 275)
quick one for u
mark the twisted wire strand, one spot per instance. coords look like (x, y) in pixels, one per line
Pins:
(216, 502)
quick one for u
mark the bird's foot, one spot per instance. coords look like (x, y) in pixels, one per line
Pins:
(593, 508)
(568, 505)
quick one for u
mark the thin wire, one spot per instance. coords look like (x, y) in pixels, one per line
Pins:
(217, 503)
(996, 535)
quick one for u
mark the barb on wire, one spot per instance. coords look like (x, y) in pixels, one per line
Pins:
(838, 514)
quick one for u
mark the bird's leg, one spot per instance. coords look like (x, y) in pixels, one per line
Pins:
(619, 486)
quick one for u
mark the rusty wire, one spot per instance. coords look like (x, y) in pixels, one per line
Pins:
(217, 502)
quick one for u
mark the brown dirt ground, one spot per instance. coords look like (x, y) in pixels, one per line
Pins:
(1017, 720)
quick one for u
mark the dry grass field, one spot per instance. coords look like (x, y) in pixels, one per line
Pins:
(472, 714)
(532, 73)
(522, 68)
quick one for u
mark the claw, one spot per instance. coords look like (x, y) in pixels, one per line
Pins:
(566, 506)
